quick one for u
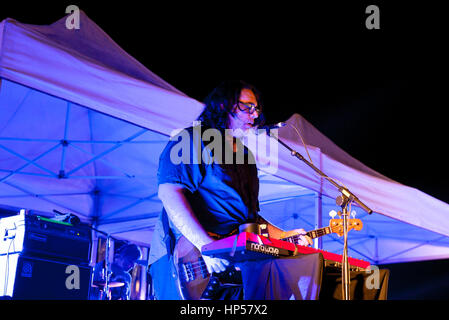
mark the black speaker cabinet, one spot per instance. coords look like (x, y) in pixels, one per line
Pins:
(45, 238)
(40, 279)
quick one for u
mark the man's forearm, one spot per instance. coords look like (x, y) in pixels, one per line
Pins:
(277, 233)
(181, 214)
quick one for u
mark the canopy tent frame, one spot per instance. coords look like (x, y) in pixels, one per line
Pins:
(88, 171)
(102, 220)
(65, 143)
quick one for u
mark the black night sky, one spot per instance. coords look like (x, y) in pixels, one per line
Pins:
(378, 94)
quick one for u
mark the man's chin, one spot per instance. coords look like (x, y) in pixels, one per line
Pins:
(246, 130)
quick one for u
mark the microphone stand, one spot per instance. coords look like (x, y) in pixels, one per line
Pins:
(107, 266)
(343, 200)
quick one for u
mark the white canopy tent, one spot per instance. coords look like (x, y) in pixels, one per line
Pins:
(82, 125)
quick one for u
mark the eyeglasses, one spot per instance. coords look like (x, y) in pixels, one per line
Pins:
(248, 107)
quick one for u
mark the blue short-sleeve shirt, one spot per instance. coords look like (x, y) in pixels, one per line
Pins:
(222, 195)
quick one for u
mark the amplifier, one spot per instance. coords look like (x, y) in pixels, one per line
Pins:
(38, 236)
(31, 278)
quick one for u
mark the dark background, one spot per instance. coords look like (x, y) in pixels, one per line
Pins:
(378, 94)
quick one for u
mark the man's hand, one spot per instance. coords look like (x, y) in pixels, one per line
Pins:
(277, 233)
(215, 264)
(303, 239)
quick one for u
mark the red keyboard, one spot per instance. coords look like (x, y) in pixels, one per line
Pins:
(250, 246)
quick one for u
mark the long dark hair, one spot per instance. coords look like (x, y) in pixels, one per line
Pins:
(220, 102)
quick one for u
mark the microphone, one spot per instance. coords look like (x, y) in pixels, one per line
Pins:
(66, 217)
(268, 127)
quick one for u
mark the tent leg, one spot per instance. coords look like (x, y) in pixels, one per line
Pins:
(318, 242)
(376, 249)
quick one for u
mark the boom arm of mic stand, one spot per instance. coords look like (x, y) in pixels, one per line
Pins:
(342, 189)
(347, 197)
